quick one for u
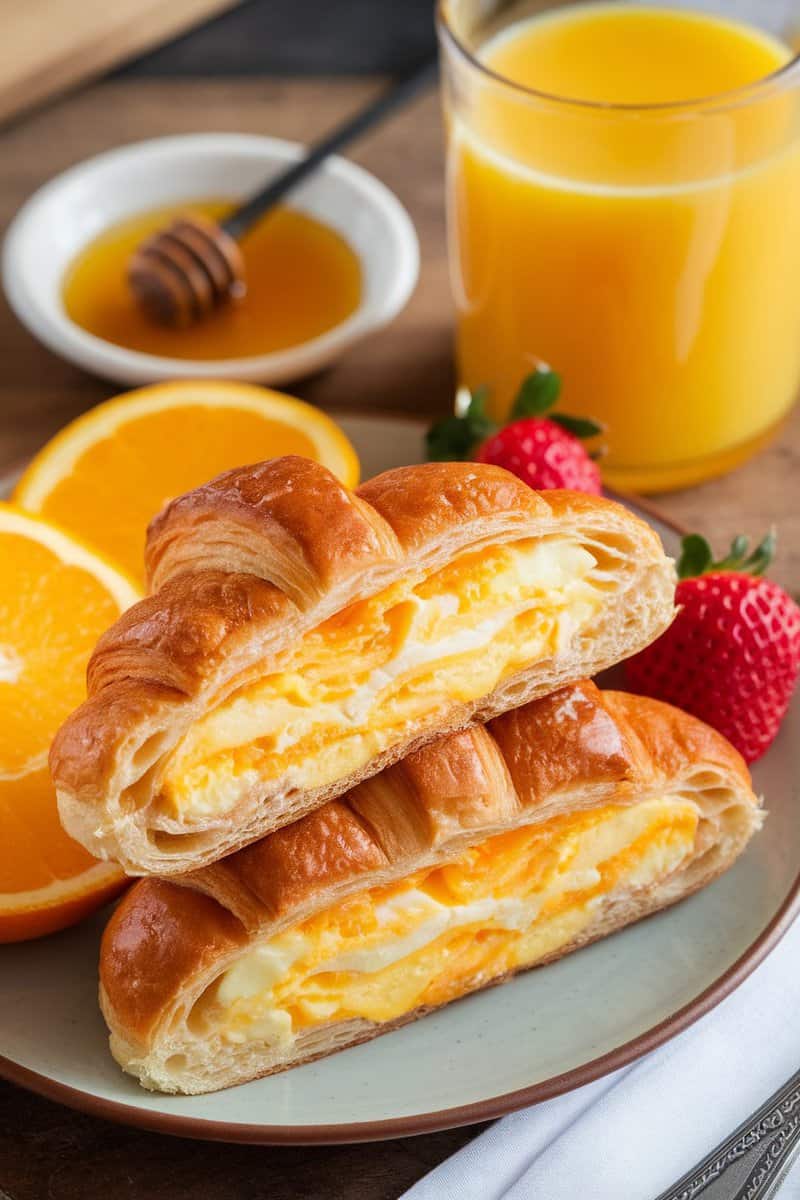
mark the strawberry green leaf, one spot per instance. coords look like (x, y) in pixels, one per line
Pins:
(739, 546)
(762, 556)
(448, 439)
(735, 556)
(580, 427)
(537, 394)
(695, 556)
(456, 437)
(476, 406)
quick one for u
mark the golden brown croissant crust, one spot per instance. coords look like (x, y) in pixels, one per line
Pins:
(574, 750)
(246, 566)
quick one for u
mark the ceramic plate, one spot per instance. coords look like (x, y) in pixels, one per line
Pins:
(543, 1033)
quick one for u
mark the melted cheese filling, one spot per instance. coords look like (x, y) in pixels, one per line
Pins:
(355, 684)
(428, 939)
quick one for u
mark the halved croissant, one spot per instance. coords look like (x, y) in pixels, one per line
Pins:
(301, 637)
(484, 853)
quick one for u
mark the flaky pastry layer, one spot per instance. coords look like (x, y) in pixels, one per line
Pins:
(484, 853)
(254, 576)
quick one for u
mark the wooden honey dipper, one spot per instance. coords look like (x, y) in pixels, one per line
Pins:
(182, 273)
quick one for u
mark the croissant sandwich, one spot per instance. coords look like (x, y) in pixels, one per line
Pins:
(301, 637)
(486, 852)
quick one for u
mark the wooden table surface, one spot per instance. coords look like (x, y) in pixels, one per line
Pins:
(48, 1151)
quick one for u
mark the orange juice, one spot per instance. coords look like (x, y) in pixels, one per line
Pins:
(624, 195)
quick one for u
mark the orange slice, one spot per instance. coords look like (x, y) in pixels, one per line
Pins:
(105, 475)
(56, 598)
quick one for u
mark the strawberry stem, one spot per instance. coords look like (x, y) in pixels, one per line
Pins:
(736, 554)
(696, 557)
(457, 436)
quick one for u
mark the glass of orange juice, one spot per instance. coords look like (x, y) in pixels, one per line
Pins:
(624, 206)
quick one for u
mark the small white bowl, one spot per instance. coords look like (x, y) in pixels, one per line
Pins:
(76, 206)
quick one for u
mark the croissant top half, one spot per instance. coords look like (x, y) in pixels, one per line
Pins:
(282, 655)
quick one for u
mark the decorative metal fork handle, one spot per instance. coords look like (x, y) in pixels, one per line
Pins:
(753, 1161)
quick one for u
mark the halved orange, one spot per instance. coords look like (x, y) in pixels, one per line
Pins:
(105, 475)
(56, 598)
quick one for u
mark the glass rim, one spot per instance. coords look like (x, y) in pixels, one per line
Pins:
(747, 93)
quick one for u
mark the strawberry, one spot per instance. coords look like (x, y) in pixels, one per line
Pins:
(544, 451)
(732, 654)
(542, 454)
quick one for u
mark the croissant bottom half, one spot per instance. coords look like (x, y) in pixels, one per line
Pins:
(487, 852)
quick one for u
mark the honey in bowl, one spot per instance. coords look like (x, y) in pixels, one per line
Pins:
(302, 280)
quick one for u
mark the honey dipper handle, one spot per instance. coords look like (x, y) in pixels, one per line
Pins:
(394, 97)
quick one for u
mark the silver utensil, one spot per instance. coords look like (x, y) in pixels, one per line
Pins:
(752, 1163)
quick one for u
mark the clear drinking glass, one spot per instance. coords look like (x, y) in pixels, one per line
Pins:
(650, 253)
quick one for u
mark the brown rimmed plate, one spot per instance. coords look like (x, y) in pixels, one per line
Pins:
(542, 1034)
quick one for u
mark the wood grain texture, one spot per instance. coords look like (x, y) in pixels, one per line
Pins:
(50, 1153)
(49, 46)
(46, 1151)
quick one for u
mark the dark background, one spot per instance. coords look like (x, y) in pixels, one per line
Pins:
(301, 37)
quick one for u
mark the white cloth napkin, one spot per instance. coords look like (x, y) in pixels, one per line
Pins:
(633, 1134)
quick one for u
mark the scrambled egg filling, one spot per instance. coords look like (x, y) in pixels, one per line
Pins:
(429, 938)
(355, 683)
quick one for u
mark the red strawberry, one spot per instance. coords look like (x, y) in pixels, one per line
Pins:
(732, 654)
(545, 452)
(542, 454)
